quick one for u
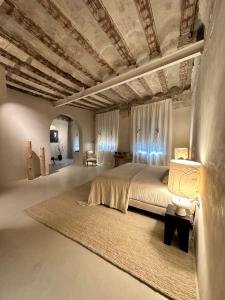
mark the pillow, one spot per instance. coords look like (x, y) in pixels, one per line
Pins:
(165, 177)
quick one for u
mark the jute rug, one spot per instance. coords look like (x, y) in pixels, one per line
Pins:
(131, 241)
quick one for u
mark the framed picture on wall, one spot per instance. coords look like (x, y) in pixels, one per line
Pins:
(54, 136)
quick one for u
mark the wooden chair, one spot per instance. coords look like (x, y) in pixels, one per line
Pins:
(122, 158)
(91, 158)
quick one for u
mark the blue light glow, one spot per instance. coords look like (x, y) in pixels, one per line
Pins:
(150, 153)
(152, 150)
(76, 147)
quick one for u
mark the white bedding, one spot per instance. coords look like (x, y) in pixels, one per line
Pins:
(112, 187)
(147, 187)
(132, 181)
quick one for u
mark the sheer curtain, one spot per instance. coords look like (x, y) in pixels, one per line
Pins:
(107, 130)
(151, 130)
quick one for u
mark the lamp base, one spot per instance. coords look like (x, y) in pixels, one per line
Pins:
(181, 204)
(180, 211)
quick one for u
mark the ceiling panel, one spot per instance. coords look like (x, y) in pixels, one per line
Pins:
(173, 76)
(85, 23)
(167, 16)
(126, 21)
(52, 27)
(153, 80)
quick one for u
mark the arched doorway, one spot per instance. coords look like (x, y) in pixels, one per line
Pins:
(64, 142)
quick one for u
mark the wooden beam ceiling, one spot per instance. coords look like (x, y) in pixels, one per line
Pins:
(22, 74)
(188, 18)
(148, 23)
(27, 48)
(103, 18)
(11, 80)
(186, 53)
(29, 92)
(92, 42)
(187, 23)
(60, 17)
(39, 33)
(24, 64)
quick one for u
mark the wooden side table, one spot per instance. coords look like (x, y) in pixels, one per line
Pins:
(121, 156)
(181, 224)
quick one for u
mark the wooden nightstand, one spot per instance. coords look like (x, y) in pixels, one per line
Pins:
(182, 224)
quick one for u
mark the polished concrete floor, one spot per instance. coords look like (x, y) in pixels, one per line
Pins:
(39, 263)
(59, 164)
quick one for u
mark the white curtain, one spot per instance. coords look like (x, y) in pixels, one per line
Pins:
(151, 130)
(107, 130)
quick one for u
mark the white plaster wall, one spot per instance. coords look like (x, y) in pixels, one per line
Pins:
(24, 117)
(181, 128)
(208, 147)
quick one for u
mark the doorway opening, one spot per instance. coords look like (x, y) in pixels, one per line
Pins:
(64, 143)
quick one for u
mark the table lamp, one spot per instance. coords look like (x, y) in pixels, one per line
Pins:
(181, 153)
(184, 183)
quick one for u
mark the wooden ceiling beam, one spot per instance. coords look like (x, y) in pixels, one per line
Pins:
(146, 86)
(22, 84)
(118, 96)
(23, 90)
(98, 102)
(103, 18)
(188, 19)
(67, 25)
(147, 20)
(132, 91)
(34, 70)
(189, 11)
(12, 10)
(29, 50)
(185, 53)
(185, 72)
(163, 80)
(24, 75)
(103, 98)
(89, 103)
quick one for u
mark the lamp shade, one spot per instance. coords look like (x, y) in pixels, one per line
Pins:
(181, 153)
(184, 178)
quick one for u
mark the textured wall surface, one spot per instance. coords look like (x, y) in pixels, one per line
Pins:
(209, 148)
(181, 127)
(24, 117)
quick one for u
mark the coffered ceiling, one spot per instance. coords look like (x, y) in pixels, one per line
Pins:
(56, 48)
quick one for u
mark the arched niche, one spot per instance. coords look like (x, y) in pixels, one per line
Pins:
(65, 142)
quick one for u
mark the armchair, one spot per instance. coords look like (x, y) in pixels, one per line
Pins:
(90, 158)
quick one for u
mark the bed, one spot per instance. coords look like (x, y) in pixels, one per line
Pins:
(132, 184)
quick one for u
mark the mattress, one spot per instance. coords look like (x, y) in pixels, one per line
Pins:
(147, 187)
